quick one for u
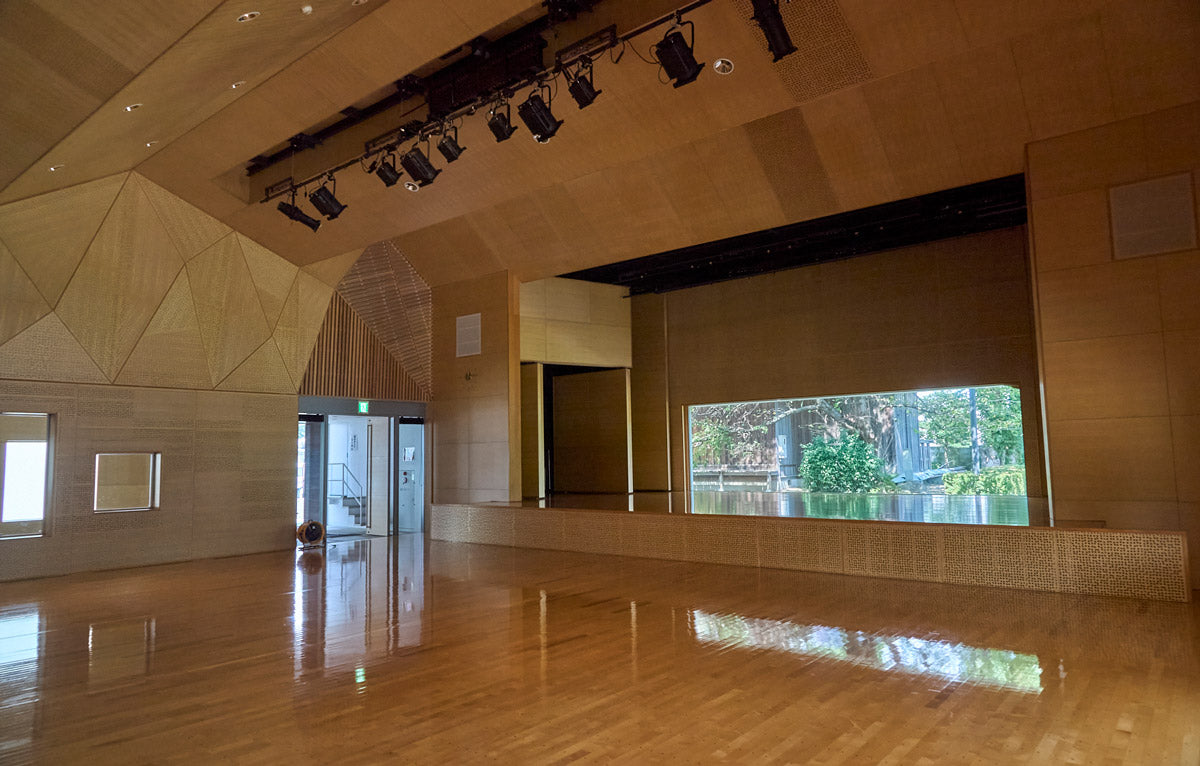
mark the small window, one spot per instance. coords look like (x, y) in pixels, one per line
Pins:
(24, 474)
(127, 481)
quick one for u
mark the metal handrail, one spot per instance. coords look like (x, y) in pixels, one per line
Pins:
(345, 472)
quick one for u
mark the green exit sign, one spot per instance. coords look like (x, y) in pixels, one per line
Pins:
(363, 407)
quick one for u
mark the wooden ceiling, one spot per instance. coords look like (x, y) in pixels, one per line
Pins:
(882, 101)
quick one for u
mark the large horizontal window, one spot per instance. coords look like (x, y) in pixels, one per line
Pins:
(24, 474)
(949, 455)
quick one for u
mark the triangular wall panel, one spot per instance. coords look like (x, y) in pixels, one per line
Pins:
(300, 322)
(273, 276)
(331, 270)
(121, 281)
(264, 371)
(170, 352)
(190, 228)
(47, 351)
(49, 234)
(23, 304)
(232, 323)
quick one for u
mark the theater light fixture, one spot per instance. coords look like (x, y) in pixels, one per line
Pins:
(674, 54)
(767, 16)
(580, 85)
(386, 170)
(536, 115)
(448, 145)
(325, 202)
(296, 214)
(500, 123)
(419, 168)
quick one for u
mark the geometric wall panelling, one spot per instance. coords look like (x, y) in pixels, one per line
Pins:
(392, 299)
(263, 371)
(827, 57)
(170, 352)
(23, 304)
(1154, 216)
(121, 280)
(331, 270)
(231, 319)
(300, 323)
(348, 360)
(191, 229)
(49, 234)
(273, 276)
(47, 351)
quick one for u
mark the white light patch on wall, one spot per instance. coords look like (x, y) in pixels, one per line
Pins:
(468, 335)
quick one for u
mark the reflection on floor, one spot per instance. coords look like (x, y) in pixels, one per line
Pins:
(941, 509)
(374, 652)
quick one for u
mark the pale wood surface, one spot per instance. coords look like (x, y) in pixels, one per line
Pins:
(380, 651)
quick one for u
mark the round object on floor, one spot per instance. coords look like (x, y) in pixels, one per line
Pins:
(310, 533)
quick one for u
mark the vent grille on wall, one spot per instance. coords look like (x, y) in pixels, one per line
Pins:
(1155, 216)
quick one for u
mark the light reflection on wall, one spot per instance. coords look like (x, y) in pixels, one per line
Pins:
(904, 654)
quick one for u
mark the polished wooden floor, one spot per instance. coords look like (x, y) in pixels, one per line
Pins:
(383, 651)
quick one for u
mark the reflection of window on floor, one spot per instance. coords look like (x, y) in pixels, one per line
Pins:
(24, 448)
(948, 455)
(905, 654)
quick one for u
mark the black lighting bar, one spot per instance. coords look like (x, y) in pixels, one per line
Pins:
(579, 54)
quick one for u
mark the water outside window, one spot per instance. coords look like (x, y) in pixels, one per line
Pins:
(948, 455)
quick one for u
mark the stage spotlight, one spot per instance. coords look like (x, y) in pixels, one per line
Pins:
(296, 214)
(386, 170)
(675, 56)
(766, 14)
(449, 147)
(324, 200)
(581, 87)
(536, 115)
(500, 123)
(419, 167)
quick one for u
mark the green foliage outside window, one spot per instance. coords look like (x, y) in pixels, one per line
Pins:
(847, 464)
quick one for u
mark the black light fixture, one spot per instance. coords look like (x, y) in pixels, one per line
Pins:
(767, 16)
(580, 86)
(500, 123)
(536, 115)
(675, 55)
(448, 145)
(386, 170)
(296, 214)
(325, 202)
(419, 168)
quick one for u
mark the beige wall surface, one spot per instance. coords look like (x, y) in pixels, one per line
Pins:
(566, 321)
(648, 394)
(475, 409)
(533, 433)
(228, 476)
(1119, 338)
(591, 432)
(950, 313)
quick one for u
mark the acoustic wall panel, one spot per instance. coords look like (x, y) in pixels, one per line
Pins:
(191, 229)
(264, 370)
(23, 304)
(232, 322)
(47, 351)
(171, 351)
(273, 277)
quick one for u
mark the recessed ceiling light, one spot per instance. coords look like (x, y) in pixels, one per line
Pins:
(358, 2)
(56, 168)
(131, 107)
(248, 16)
(306, 9)
(238, 84)
(723, 66)
(151, 143)
(412, 187)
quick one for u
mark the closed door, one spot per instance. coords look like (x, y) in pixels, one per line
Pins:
(410, 475)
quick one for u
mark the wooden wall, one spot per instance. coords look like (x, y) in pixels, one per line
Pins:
(1119, 338)
(533, 431)
(144, 325)
(228, 475)
(648, 394)
(566, 321)
(349, 360)
(950, 313)
(591, 432)
(475, 409)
